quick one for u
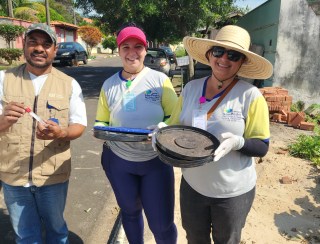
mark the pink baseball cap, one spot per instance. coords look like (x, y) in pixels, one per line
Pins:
(131, 32)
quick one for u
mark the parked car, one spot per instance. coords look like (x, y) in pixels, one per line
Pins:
(71, 53)
(157, 59)
(170, 53)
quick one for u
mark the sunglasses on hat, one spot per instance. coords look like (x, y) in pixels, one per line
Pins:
(232, 55)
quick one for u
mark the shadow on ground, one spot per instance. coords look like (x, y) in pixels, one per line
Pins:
(303, 225)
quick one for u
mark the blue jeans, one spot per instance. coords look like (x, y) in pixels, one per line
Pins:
(223, 217)
(30, 208)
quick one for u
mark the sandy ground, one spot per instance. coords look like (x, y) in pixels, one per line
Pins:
(281, 213)
(284, 213)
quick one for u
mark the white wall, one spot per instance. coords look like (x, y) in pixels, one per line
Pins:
(297, 65)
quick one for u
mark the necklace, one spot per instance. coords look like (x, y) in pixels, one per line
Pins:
(220, 82)
(202, 99)
(133, 73)
(129, 81)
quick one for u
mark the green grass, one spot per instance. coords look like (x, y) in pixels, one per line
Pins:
(307, 146)
(6, 66)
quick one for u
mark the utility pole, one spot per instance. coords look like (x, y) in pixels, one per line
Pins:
(47, 12)
(10, 9)
(74, 18)
(74, 13)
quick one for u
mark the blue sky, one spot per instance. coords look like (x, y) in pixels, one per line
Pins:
(250, 3)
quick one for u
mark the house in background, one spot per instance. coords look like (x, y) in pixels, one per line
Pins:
(288, 31)
(65, 31)
(13, 21)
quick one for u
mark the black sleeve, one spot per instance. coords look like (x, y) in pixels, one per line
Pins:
(255, 147)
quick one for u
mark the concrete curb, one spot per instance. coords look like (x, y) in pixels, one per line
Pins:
(117, 234)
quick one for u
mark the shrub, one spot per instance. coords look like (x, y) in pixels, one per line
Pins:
(110, 42)
(180, 52)
(298, 106)
(10, 54)
(307, 147)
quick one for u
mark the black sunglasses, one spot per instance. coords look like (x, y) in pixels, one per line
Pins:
(233, 56)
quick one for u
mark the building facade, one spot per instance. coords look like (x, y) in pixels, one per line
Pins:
(289, 33)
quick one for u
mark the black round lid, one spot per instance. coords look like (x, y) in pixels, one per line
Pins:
(186, 142)
(181, 163)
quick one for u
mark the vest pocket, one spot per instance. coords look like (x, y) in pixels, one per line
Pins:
(56, 158)
(10, 152)
(57, 109)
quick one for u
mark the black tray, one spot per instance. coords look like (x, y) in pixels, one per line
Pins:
(186, 142)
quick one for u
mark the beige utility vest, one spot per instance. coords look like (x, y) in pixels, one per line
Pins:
(23, 157)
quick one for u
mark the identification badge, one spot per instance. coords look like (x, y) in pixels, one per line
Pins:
(129, 102)
(199, 119)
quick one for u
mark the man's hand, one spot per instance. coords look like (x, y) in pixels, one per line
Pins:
(11, 114)
(231, 142)
(50, 131)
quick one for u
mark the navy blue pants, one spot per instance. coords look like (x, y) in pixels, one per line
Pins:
(145, 185)
(223, 217)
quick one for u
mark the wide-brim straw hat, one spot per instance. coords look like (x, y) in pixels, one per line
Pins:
(235, 38)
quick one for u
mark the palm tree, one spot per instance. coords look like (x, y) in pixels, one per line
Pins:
(47, 12)
(10, 9)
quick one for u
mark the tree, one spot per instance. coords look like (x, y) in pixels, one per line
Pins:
(7, 6)
(91, 36)
(64, 8)
(110, 42)
(10, 32)
(35, 10)
(163, 21)
(26, 13)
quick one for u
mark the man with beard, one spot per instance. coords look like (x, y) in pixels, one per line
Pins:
(35, 150)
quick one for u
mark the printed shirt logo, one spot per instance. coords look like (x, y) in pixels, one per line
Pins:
(152, 96)
(54, 95)
(231, 115)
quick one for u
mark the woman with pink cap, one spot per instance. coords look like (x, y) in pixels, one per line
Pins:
(137, 97)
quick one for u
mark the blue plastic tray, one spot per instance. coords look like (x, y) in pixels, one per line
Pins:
(123, 130)
(121, 133)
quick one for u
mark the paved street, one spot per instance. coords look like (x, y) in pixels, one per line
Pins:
(91, 208)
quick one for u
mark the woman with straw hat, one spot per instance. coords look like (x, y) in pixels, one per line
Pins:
(217, 196)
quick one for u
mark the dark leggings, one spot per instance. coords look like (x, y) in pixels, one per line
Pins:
(145, 185)
(223, 217)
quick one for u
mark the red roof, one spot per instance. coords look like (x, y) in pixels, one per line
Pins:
(88, 20)
(64, 24)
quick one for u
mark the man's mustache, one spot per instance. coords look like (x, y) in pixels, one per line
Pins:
(41, 54)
